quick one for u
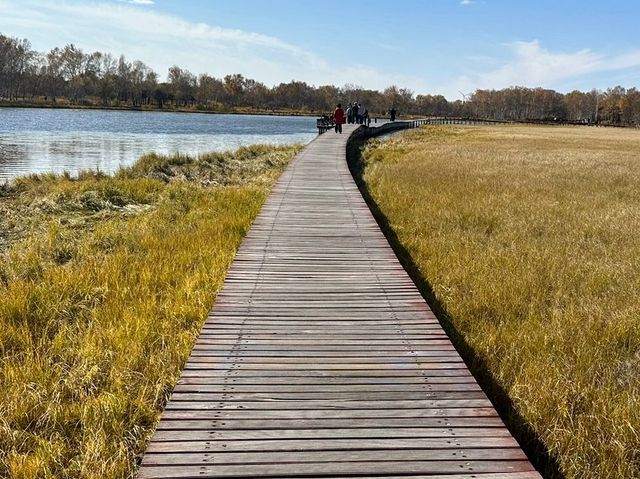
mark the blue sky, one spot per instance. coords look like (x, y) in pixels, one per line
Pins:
(430, 46)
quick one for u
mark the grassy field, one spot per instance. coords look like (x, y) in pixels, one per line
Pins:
(527, 239)
(104, 285)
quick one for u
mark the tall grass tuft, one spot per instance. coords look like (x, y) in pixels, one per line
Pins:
(528, 238)
(104, 285)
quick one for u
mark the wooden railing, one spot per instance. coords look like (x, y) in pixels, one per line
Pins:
(325, 125)
(454, 121)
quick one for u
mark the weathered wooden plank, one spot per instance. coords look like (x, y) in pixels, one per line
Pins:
(389, 337)
(205, 358)
(418, 365)
(489, 433)
(275, 398)
(288, 392)
(319, 373)
(333, 444)
(235, 322)
(248, 328)
(273, 401)
(325, 312)
(309, 383)
(286, 343)
(330, 348)
(337, 354)
(263, 424)
(309, 456)
(328, 469)
(346, 415)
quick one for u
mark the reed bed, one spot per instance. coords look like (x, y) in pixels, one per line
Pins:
(105, 282)
(526, 241)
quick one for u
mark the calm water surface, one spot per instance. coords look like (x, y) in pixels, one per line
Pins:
(34, 140)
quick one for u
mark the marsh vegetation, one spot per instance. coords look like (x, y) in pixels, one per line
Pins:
(105, 282)
(527, 240)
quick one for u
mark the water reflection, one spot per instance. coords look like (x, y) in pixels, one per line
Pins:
(37, 141)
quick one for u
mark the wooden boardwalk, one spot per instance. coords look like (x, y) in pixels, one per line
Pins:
(321, 359)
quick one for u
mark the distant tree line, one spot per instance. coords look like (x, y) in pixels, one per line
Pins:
(615, 106)
(70, 76)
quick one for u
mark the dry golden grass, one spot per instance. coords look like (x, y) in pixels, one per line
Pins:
(529, 238)
(104, 285)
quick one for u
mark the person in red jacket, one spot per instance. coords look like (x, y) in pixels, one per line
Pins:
(338, 118)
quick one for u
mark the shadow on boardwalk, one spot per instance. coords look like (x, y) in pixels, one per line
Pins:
(531, 443)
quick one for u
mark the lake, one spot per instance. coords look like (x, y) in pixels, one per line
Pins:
(39, 140)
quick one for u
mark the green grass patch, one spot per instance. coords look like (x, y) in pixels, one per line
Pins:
(528, 239)
(105, 282)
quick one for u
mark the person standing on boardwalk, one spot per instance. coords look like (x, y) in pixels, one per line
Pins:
(338, 118)
(349, 114)
(354, 109)
(392, 113)
(360, 114)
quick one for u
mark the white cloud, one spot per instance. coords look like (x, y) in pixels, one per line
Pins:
(534, 66)
(161, 40)
(141, 2)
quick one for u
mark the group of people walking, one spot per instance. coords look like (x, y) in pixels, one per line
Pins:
(355, 113)
(358, 114)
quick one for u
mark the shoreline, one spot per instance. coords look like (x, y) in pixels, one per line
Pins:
(50, 106)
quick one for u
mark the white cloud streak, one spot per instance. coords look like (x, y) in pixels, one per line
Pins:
(161, 40)
(534, 66)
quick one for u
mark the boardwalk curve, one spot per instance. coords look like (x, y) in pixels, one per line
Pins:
(321, 359)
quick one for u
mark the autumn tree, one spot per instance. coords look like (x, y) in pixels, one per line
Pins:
(210, 90)
(182, 85)
(16, 61)
(101, 79)
(630, 107)
(234, 88)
